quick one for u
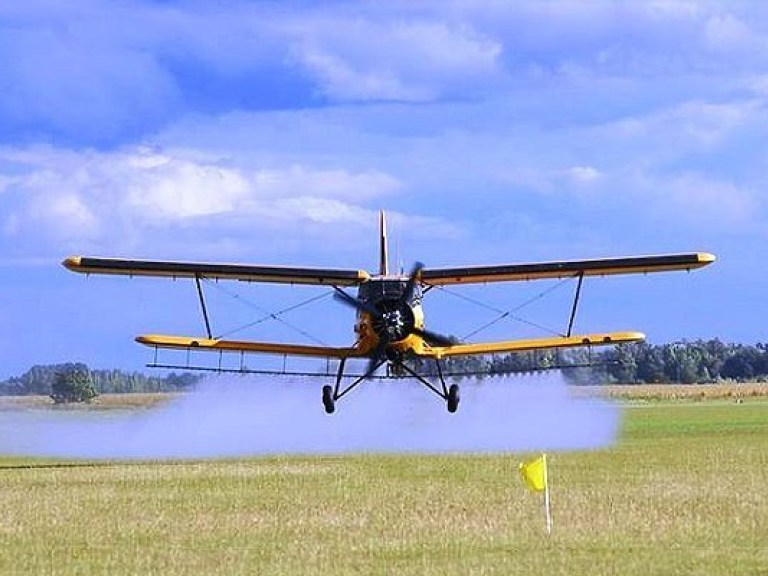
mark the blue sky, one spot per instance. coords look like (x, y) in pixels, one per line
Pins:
(273, 132)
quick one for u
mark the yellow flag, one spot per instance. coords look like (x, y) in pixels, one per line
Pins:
(534, 473)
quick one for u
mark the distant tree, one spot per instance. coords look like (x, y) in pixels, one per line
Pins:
(623, 362)
(651, 367)
(73, 384)
(715, 354)
(746, 363)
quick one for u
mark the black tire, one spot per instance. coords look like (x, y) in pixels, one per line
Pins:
(328, 402)
(453, 398)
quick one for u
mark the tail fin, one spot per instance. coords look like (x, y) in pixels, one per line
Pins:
(383, 256)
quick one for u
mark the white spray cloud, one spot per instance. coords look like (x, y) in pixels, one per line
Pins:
(255, 416)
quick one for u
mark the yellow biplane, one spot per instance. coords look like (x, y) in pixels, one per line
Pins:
(390, 326)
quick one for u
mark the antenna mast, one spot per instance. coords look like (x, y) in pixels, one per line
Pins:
(383, 256)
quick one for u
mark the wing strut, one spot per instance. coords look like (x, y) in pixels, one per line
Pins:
(575, 306)
(202, 307)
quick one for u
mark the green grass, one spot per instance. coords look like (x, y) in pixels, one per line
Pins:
(684, 492)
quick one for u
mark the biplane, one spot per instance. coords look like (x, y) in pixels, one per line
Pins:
(390, 327)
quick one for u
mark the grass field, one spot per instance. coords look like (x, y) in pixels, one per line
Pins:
(684, 492)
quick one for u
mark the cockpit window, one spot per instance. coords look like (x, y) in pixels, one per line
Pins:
(386, 290)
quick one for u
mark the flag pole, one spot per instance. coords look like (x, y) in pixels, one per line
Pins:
(535, 477)
(547, 503)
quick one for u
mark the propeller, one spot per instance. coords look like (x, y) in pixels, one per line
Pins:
(345, 298)
(433, 338)
(414, 276)
(393, 321)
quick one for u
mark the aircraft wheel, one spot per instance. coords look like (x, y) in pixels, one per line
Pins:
(328, 401)
(453, 398)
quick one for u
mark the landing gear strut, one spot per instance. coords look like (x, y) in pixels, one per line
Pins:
(450, 394)
(333, 393)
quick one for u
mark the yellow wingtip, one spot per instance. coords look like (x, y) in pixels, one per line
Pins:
(72, 263)
(706, 258)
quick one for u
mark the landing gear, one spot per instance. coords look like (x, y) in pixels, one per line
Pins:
(453, 398)
(449, 394)
(331, 394)
(328, 401)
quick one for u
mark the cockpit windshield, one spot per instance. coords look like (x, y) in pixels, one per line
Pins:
(387, 289)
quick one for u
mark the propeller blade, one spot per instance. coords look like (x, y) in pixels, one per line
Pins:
(412, 279)
(345, 298)
(377, 358)
(435, 339)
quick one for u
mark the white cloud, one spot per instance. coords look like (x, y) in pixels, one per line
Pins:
(396, 60)
(709, 123)
(164, 188)
(584, 174)
(98, 72)
(69, 211)
(686, 128)
(681, 201)
(340, 184)
(698, 199)
(561, 98)
(318, 210)
(110, 199)
(727, 33)
(5, 182)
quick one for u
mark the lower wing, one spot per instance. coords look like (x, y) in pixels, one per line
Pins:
(606, 339)
(190, 343)
(209, 344)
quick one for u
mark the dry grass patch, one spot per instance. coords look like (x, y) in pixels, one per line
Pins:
(101, 402)
(669, 392)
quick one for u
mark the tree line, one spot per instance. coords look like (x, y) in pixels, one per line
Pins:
(40, 380)
(687, 362)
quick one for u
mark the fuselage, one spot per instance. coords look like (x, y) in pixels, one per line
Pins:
(399, 315)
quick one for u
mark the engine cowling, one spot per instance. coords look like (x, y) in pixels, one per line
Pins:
(396, 320)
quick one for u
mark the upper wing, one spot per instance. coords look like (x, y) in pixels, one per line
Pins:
(187, 343)
(280, 274)
(564, 269)
(606, 339)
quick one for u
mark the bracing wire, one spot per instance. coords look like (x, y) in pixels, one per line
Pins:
(502, 314)
(516, 319)
(267, 315)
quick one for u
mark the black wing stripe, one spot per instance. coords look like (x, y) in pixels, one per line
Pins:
(284, 274)
(630, 265)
